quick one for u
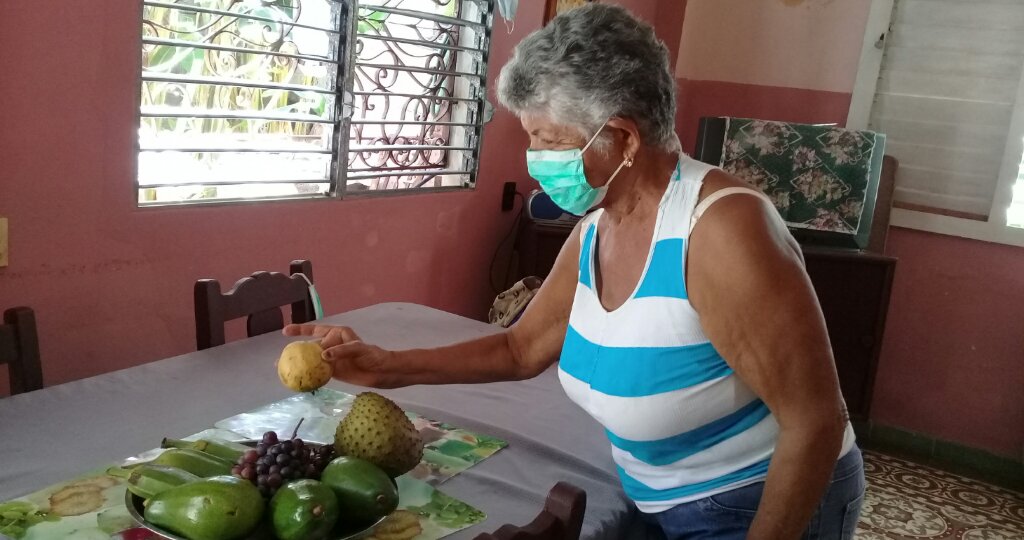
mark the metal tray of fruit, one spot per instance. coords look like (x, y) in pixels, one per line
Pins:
(264, 531)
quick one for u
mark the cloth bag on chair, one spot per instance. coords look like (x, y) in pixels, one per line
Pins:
(509, 305)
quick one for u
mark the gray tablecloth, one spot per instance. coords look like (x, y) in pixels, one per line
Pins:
(53, 434)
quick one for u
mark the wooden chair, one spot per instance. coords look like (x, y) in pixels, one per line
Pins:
(561, 518)
(258, 297)
(883, 204)
(19, 349)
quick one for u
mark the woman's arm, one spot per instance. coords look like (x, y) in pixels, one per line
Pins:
(521, 352)
(747, 281)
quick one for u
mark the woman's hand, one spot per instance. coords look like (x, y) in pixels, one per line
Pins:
(354, 361)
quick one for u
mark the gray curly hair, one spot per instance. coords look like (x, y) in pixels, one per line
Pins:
(589, 64)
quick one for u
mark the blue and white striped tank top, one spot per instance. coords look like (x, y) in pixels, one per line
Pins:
(681, 423)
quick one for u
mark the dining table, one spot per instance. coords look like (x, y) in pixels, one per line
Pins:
(53, 434)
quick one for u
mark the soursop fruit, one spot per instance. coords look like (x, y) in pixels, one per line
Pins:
(377, 430)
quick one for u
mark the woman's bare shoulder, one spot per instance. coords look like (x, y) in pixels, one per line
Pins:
(717, 179)
(733, 221)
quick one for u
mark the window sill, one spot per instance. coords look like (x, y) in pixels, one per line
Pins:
(232, 202)
(351, 195)
(952, 226)
(379, 193)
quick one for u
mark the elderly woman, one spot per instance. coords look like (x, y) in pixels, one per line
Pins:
(679, 311)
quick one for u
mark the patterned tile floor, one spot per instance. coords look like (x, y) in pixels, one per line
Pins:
(905, 500)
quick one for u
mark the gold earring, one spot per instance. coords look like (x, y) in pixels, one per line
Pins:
(629, 162)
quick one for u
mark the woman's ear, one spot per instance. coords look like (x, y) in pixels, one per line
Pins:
(629, 133)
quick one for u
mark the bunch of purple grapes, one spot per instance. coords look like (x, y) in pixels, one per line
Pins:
(273, 463)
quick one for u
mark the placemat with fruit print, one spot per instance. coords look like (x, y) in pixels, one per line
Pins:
(447, 450)
(92, 505)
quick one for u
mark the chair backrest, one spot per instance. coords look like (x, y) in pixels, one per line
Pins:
(883, 204)
(258, 297)
(561, 518)
(19, 349)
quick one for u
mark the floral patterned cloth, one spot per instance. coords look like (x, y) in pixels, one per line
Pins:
(819, 177)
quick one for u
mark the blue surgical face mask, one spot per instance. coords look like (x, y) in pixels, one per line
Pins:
(561, 176)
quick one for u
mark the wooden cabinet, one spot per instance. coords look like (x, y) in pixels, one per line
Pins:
(852, 286)
(538, 246)
(853, 289)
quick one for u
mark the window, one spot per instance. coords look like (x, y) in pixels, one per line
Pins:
(258, 99)
(949, 93)
(1015, 214)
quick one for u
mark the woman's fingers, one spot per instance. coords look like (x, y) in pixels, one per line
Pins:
(330, 335)
(337, 336)
(314, 330)
(294, 329)
(343, 351)
(340, 345)
(358, 363)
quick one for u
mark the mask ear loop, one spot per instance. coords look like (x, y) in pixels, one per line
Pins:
(594, 138)
(627, 162)
(318, 308)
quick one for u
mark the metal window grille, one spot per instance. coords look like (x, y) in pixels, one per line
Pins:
(257, 99)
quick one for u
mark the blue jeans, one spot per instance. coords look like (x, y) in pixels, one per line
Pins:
(728, 515)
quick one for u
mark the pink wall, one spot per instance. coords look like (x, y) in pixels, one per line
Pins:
(953, 359)
(781, 43)
(719, 98)
(665, 15)
(767, 60)
(644, 9)
(112, 284)
(952, 364)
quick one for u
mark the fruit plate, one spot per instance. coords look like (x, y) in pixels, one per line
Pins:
(263, 532)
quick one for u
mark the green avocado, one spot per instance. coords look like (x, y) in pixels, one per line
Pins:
(218, 508)
(303, 510)
(365, 493)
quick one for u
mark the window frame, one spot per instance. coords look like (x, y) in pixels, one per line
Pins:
(996, 229)
(345, 101)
